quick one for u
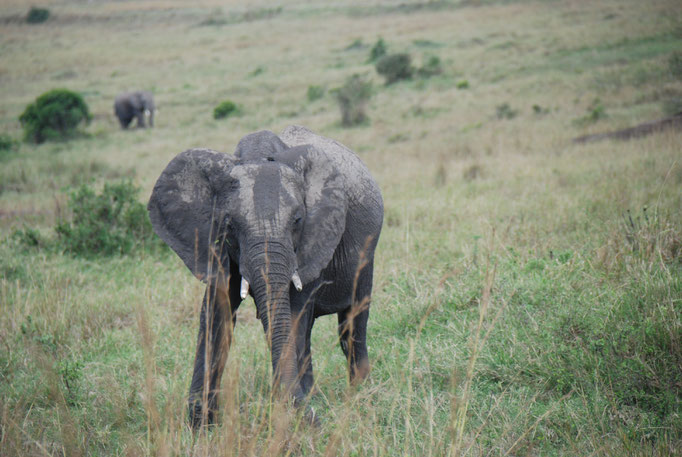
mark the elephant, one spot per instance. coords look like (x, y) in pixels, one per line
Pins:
(129, 105)
(293, 220)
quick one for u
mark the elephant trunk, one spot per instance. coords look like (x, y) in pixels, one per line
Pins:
(270, 278)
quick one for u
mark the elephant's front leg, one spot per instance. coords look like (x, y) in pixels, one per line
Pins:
(215, 336)
(140, 118)
(302, 313)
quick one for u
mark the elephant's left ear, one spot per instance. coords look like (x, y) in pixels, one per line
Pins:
(326, 203)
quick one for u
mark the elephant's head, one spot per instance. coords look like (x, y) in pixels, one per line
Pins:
(278, 213)
(131, 105)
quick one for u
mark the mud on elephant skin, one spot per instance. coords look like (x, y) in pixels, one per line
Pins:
(131, 105)
(294, 221)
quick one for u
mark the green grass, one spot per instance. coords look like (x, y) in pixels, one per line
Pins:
(528, 292)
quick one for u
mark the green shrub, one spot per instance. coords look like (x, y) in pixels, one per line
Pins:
(353, 97)
(377, 51)
(504, 111)
(111, 222)
(29, 238)
(225, 109)
(395, 67)
(675, 65)
(258, 14)
(257, 71)
(54, 115)
(215, 19)
(463, 84)
(432, 67)
(539, 110)
(595, 112)
(315, 93)
(7, 143)
(70, 371)
(37, 15)
(7, 146)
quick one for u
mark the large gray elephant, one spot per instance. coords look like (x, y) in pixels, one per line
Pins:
(139, 104)
(294, 221)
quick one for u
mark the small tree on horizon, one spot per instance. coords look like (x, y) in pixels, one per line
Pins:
(353, 97)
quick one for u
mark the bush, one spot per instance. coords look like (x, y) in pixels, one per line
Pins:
(595, 112)
(315, 93)
(432, 67)
(675, 65)
(7, 145)
(395, 67)
(257, 71)
(112, 222)
(463, 84)
(29, 238)
(539, 110)
(353, 97)
(37, 15)
(377, 51)
(54, 116)
(504, 111)
(225, 109)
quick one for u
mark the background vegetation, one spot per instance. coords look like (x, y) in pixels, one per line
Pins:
(527, 290)
(224, 109)
(54, 115)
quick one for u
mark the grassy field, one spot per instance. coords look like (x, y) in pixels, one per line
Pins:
(528, 291)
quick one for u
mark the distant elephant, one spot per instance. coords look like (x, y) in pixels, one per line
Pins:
(129, 105)
(293, 220)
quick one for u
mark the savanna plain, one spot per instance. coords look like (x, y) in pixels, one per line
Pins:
(528, 290)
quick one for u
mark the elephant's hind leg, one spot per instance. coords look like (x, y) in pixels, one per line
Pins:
(353, 327)
(217, 321)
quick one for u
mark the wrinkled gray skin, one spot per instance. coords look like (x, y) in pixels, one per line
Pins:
(280, 205)
(130, 105)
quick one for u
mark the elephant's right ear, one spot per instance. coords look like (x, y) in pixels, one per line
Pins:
(186, 211)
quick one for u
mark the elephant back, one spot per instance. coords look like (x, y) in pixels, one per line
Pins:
(362, 189)
(136, 100)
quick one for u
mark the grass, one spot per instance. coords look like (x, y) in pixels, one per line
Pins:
(525, 301)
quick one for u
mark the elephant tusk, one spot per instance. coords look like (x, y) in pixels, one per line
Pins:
(296, 279)
(244, 289)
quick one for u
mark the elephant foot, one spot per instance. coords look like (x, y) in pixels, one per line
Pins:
(311, 418)
(313, 392)
(307, 413)
(198, 418)
(359, 373)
